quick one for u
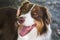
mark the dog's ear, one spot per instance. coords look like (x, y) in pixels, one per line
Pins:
(46, 15)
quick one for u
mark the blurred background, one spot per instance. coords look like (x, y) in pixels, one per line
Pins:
(52, 5)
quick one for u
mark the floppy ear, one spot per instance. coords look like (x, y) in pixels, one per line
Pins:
(46, 16)
(46, 19)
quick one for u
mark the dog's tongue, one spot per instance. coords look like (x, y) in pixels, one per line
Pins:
(25, 30)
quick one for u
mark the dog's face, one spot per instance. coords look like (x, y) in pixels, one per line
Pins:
(33, 16)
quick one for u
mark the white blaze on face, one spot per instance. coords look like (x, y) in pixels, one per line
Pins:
(28, 19)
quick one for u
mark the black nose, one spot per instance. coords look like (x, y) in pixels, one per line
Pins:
(21, 20)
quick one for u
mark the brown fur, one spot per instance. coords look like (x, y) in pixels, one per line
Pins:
(39, 26)
(7, 24)
(25, 7)
(40, 14)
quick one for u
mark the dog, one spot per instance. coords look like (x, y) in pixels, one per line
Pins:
(34, 22)
(8, 29)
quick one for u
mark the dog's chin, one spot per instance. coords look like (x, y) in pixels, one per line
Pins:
(26, 29)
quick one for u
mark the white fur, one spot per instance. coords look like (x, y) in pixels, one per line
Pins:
(32, 35)
(28, 19)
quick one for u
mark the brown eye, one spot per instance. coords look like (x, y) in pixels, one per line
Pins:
(35, 15)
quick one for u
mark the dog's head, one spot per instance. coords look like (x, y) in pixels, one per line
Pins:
(33, 15)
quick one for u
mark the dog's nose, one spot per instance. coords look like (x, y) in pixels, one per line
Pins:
(21, 20)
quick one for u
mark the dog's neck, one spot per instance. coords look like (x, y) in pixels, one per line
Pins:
(32, 35)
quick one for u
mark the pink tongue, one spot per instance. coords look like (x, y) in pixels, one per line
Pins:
(25, 30)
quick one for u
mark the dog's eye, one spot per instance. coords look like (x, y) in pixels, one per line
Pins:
(35, 15)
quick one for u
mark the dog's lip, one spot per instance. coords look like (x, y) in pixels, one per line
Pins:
(26, 29)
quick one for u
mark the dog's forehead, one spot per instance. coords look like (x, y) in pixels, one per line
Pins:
(26, 7)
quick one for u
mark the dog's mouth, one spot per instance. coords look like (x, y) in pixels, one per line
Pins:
(26, 29)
